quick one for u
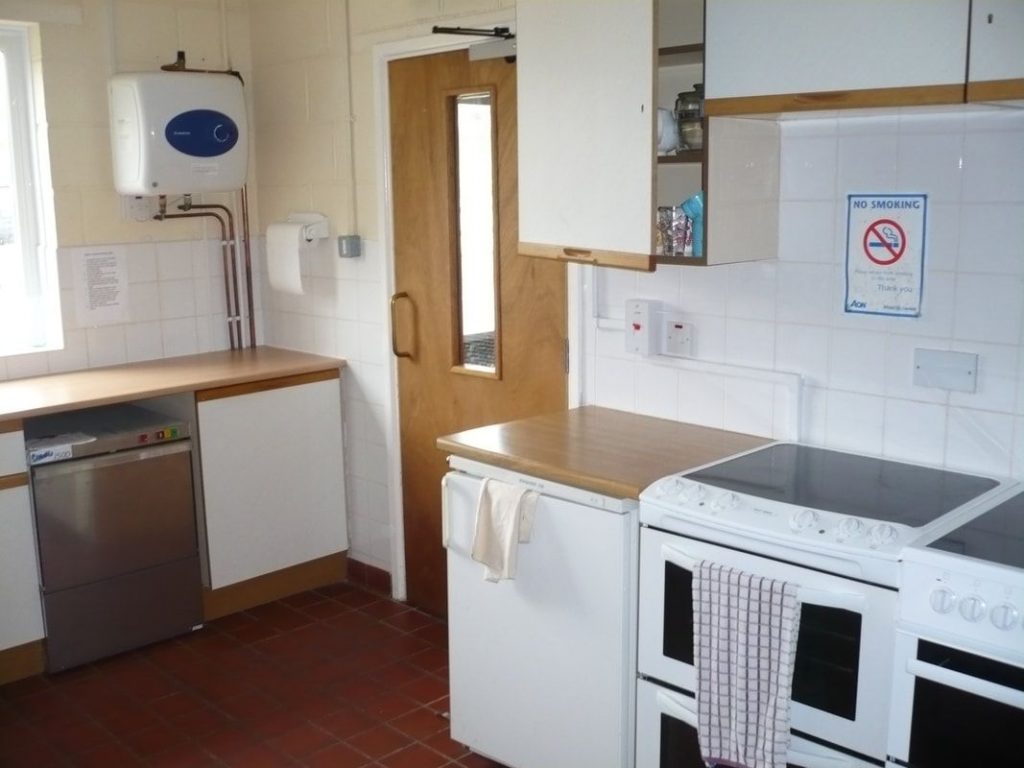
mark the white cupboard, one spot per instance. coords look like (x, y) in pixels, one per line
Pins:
(818, 47)
(21, 616)
(273, 478)
(586, 130)
(996, 69)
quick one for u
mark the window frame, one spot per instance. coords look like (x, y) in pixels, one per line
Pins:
(29, 177)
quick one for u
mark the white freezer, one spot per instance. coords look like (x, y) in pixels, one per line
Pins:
(542, 668)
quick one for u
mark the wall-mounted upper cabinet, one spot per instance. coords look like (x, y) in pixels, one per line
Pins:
(586, 130)
(996, 70)
(826, 54)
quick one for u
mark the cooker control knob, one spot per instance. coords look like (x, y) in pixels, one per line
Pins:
(883, 534)
(1004, 616)
(726, 502)
(850, 527)
(942, 599)
(803, 520)
(972, 608)
(693, 493)
(673, 486)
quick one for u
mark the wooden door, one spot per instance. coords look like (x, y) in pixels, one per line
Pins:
(438, 392)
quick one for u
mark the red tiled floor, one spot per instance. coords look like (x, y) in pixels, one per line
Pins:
(335, 678)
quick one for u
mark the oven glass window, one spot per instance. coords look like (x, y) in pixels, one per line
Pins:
(679, 745)
(678, 640)
(827, 654)
(827, 657)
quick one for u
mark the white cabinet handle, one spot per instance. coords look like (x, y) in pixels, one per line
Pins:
(849, 601)
(445, 525)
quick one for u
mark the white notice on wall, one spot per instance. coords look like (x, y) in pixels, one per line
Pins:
(885, 254)
(101, 285)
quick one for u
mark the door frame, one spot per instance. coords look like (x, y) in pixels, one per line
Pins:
(383, 54)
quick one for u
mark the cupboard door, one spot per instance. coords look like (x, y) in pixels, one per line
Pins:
(273, 485)
(21, 616)
(996, 68)
(586, 130)
(821, 54)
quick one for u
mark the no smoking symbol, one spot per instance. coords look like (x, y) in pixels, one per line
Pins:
(884, 242)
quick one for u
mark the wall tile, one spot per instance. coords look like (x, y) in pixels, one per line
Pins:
(749, 406)
(803, 349)
(991, 238)
(868, 163)
(657, 391)
(914, 431)
(177, 298)
(979, 441)
(807, 230)
(994, 166)
(857, 361)
(180, 336)
(989, 308)
(752, 291)
(931, 164)
(615, 382)
(106, 346)
(805, 293)
(854, 422)
(942, 235)
(809, 167)
(702, 398)
(750, 342)
(144, 341)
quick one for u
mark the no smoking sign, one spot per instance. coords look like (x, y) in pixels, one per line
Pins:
(885, 253)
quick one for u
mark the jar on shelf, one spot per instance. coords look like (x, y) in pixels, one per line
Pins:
(690, 116)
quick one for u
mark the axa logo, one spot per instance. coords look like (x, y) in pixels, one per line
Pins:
(857, 304)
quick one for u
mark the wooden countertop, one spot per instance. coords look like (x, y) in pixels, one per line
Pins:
(22, 398)
(602, 450)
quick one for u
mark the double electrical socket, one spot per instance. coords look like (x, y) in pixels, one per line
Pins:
(650, 331)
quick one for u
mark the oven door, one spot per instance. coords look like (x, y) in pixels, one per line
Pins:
(953, 707)
(667, 735)
(842, 673)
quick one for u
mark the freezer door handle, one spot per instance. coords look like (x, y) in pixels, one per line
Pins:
(445, 523)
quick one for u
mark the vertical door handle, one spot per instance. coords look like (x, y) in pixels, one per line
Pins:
(394, 324)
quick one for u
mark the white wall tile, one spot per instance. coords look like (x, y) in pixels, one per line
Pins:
(808, 167)
(803, 349)
(180, 336)
(931, 164)
(991, 237)
(24, 366)
(106, 345)
(144, 341)
(704, 291)
(979, 441)
(989, 308)
(615, 383)
(804, 293)
(174, 260)
(702, 398)
(749, 406)
(177, 298)
(751, 291)
(750, 343)
(141, 259)
(994, 166)
(857, 361)
(915, 431)
(657, 391)
(868, 163)
(942, 235)
(854, 421)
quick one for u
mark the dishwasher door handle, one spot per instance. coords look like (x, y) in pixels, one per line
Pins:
(128, 456)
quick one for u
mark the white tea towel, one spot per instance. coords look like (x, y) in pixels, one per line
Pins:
(504, 519)
(745, 636)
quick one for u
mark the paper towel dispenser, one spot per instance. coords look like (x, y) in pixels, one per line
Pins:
(175, 133)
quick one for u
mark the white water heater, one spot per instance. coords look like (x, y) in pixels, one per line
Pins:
(176, 133)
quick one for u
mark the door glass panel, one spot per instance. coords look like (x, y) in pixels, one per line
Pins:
(679, 746)
(474, 153)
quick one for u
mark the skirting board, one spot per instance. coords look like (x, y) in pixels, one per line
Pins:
(21, 661)
(273, 586)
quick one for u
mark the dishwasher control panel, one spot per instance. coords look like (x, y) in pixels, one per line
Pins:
(95, 431)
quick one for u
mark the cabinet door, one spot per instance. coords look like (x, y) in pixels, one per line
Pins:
(997, 50)
(586, 130)
(273, 482)
(834, 53)
(20, 607)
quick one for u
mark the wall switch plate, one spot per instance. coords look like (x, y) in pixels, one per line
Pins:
(641, 329)
(956, 371)
(678, 337)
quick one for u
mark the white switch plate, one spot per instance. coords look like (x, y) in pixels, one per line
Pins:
(641, 327)
(678, 337)
(138, 208)
(957, 371)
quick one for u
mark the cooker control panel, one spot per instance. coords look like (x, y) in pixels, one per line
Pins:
(972, 599)
(679, 497)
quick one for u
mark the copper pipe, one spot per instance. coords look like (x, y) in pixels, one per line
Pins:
(248, 265)
(163, 215)
(235, 307)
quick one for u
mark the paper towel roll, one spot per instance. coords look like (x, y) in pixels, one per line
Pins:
(284, 241)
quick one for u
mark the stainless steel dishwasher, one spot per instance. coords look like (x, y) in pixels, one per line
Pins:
(115, 524)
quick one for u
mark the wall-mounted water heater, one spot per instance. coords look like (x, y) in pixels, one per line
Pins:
(175, 133)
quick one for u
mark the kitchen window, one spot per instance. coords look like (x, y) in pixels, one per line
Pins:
(29, 294)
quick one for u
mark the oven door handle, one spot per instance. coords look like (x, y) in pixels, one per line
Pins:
(952, 679)
(849, 601)
(675, 706)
